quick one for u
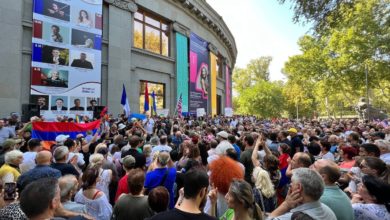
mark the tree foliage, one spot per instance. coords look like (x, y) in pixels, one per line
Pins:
(257, 96)
(350, 38)
(334, 62)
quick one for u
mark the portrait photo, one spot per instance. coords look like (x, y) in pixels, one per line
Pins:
(55, 55)
(55, 33)
(82, 59)
(202, 81)
(83, 17)
(56, 10)
(77, 103)
(41, 100)
(83, 39)
(92, 102)
(49, 77)
(59, 103)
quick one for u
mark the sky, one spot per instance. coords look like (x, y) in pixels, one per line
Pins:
(262, 28)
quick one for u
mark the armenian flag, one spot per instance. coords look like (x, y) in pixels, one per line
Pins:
(48, 131)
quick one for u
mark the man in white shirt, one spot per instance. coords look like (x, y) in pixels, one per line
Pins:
(148, 124)
(34, 146)
(163, 145)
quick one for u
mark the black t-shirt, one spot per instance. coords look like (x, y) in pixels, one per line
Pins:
(140, 159)
(65, 169)
(176, 214)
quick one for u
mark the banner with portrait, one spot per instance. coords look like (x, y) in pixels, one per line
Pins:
(199, 74)
(66, 56)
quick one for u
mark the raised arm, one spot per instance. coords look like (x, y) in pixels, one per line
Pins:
(255, 156)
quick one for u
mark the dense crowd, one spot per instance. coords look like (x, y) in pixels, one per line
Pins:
(237, 168)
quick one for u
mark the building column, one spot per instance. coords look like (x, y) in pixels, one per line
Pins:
(119, 51)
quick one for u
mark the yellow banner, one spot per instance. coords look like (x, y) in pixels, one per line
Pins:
(213, 79)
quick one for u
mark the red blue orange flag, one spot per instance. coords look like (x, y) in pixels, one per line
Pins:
(48, 131)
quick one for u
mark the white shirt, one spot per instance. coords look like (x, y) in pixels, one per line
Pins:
(149, 125)
(386, 158)
(80, 158)
(28, 161)
(161, 148)
(328, 156)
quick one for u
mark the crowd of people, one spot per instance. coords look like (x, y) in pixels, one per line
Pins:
(232, 168)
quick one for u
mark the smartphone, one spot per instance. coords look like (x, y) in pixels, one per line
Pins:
(9, 191)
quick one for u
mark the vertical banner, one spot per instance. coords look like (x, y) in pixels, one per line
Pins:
(182, 70)
(66, 56)
(199, 74)
(213, 79)
(228, 88)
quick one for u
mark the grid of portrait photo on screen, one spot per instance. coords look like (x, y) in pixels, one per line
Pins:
(66, 56)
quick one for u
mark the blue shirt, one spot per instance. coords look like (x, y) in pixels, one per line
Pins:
(38, 172)
(237, 149)
(154, 178)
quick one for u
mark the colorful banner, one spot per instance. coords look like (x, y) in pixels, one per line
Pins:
(182, 70)
(48, 131)
(213, 79)
(199, 74)
(228, 88)
(66, 56)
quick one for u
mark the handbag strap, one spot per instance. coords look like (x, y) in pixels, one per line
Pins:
(261, 199)
(162, 183)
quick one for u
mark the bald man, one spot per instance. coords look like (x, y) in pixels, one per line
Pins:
(42, 170)
(299, 160)
(333, 196)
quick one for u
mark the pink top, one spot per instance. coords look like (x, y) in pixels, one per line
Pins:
(347, 164)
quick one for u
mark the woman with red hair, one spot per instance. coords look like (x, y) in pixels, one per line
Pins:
(222, 172)
(347, 153)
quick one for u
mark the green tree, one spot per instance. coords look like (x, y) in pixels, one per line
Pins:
(256, 70)
(256, 95)
(334, 62)
(264, 99)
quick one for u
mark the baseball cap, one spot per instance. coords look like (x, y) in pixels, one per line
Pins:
(61, 138)
(292, 130)
(128, 161)
(223, 134)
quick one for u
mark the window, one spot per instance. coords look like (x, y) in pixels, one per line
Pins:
(151, 33)
(159, 90)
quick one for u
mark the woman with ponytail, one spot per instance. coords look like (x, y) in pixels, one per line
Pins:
(96, 202)
(241, 202)
(372, 202)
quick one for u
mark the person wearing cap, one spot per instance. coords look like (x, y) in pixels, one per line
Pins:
(60, 139)
(128, 163)
(61, 155)
(8, 145)
(224, 144)
(296, 142)
(162, 175)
